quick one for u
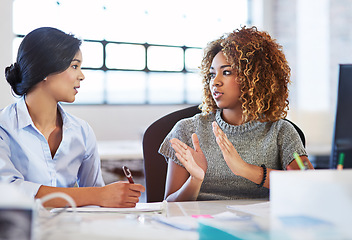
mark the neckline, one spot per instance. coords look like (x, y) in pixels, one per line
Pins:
(228, 128)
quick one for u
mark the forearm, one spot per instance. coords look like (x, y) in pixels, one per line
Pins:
(82, 196)
(188, 192)
(256, 174)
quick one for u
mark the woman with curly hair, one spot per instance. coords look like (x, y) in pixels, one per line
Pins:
(240, 136)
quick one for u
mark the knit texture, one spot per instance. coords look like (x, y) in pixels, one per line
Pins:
(269, 143)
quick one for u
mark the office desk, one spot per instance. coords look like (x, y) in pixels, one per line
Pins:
(104, 226)
(251, 226)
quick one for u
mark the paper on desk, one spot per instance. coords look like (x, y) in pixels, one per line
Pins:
(190, 223)
(256, 209)
(157, 207)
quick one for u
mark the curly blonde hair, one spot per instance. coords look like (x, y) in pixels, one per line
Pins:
(261, 69)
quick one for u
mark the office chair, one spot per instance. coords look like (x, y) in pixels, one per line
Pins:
(155, 165)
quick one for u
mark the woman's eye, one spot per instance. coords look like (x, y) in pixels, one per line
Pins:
(212, 75)
(227, 72)
(75, 66)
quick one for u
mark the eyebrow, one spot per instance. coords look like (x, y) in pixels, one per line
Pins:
(223, 66)
(76, 60)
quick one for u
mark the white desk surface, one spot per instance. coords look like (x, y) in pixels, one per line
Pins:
(103, 226)
(109, 226)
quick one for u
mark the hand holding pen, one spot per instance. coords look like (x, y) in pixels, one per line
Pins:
(128, 174)
(121, 193)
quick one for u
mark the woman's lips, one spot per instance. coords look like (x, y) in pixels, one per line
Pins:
(217, 94)
(76, 88)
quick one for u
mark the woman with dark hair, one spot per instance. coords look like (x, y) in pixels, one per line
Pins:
(44, 149)
(240, 136)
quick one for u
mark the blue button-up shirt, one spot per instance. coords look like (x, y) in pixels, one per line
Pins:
(25, 157)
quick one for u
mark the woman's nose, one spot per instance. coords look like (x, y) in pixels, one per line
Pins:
(216, 80)
(81, 77)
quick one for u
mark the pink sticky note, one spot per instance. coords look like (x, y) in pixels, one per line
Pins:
(202, 216)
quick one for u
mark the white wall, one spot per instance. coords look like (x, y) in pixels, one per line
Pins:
(121, 122)
(5, 50)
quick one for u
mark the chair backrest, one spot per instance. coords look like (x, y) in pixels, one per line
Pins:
(155, 165)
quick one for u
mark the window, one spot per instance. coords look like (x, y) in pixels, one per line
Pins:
(136, 52)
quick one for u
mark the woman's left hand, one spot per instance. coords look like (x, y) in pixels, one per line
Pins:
(230, 154)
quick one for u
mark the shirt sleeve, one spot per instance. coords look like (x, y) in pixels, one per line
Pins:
(90, 174)
(9, 173)
(289, 142)
(183, 131)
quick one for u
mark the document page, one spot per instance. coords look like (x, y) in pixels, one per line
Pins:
(257, 209)
(140, 207)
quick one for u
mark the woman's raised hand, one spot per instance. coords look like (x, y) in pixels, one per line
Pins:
(192, 159)
(230, 154)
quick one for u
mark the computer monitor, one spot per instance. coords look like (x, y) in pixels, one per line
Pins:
(342, 136)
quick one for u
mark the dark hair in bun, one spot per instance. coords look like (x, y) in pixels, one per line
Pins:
(42, 52)
(13, 75)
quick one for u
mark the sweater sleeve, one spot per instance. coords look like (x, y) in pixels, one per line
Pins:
(289, 142)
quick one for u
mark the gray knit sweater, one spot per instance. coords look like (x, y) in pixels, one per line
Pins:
(269, 143)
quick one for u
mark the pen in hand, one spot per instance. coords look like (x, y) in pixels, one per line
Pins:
(128, 174)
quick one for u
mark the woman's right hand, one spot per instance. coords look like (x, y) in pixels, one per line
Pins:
(120, 194)
(229, 152)
(192, 159)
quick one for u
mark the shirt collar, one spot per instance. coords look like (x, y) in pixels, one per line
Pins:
(66, 123)
(24, 119)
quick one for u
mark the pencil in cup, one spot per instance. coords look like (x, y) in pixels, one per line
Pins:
(341, 161)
